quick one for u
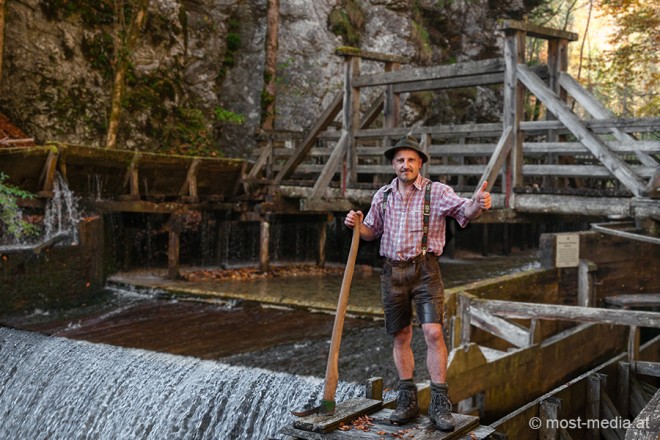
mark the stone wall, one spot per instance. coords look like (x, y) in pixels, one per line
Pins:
(58, 276)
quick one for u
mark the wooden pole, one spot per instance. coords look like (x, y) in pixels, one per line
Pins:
(173, 248)
(623, 388)
(2, 33)
(549, 410)
(323, 234)
(270, 65)
(586, 294)
(592, 406)
(264, 252)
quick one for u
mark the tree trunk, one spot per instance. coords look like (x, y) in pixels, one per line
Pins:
(2, 33)
(124, 48)
(270, 66)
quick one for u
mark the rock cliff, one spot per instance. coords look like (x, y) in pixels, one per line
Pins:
(196, 73)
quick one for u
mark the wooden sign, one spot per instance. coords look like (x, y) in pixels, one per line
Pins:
(568, 250)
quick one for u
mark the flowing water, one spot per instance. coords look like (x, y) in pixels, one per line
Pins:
(63, 389)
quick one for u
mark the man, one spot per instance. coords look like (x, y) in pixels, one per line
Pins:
(409, 217)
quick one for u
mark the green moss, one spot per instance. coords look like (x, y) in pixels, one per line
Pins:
(98, 12)
(233, 44)
(347, 21)
(187, 133)
(98, 50)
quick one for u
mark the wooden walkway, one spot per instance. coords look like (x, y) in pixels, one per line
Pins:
(591, 165)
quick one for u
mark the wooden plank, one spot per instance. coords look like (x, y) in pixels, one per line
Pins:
(331, 166)
(628, 125)
(560, 204)
(646, 425)
(597, 110)
(496, 160)
(514, 309)
(647, 368)
(345, 412)
(595, 171)
(499, 327)
(592, 406)
(450, 83)
(321, 124)
(469, 68)
(549, 411)
(189, 186)
(532, 148)
(265, 154)
(347, 51)
(634, 236)
(632, 300)
(535, 30)
(612, 162)
(623, 388)
(609, 412)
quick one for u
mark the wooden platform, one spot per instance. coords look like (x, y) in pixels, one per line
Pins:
(365, 419)
(632, 301)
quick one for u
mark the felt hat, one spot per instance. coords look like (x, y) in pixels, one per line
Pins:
(408, 142)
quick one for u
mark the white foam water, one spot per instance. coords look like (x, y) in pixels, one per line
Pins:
(57, 388)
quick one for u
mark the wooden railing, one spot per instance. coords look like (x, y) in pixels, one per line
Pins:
(539, 156)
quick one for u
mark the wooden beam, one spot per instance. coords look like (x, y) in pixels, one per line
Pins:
(598, 111)
(586, 295)
(623, 387)
(647, 368)
(512, 309)
(47, 178)
(321, 124)
(450, 83)
(499, 327)
(496, 161)
(605, 229)
(189, 186)
(263, 158)
(331, 166)
(646, 425)
(264, 249)
(597, 147)
(469, 68)
(549, 414)
(535, 30)
(592, 404)
(513, 112)
(351, 117)
(347, 51)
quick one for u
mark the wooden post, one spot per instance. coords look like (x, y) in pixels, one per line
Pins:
(557, 63)
(484, 240)
(592, 405)
(623, 388)
(48, 172)
(323, 234)
(391, 105)
(425, 144)
(2, 33)
(586, 295)
(514, 54)
(633, 345)
(374, 388)
(464, 312)
(174, 226)
(264, 236)
(351, 115)
(549, 411)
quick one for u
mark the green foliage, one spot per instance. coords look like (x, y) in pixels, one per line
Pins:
(347, 21)
(228, 117)
(11, 217)
(187, 133)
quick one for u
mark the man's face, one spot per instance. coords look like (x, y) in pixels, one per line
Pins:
(406, 164)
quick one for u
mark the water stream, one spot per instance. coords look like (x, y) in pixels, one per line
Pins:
(58, 388)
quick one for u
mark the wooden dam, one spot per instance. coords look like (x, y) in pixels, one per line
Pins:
(521, 347)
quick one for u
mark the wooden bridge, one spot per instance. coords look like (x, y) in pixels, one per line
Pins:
(600, 166)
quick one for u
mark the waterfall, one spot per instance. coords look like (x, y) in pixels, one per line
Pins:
(57, 388)
(62, 213)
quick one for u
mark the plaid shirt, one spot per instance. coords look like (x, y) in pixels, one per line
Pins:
(401, 228)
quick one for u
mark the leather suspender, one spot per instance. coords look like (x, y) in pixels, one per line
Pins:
(427, 215)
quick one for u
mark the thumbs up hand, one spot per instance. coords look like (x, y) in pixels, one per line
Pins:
(482, 197)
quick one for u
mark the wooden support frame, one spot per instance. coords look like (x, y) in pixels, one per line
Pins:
(496, 161)
(48, 172)
(510, 332)
(514, 54)
(597, 110)
(132, 180)
(189, 187)
(597, 147)
(331, 166)
(306, 145)
(351, 117)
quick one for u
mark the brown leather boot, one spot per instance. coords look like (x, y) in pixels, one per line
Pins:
(406, 404)
(440, 408)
